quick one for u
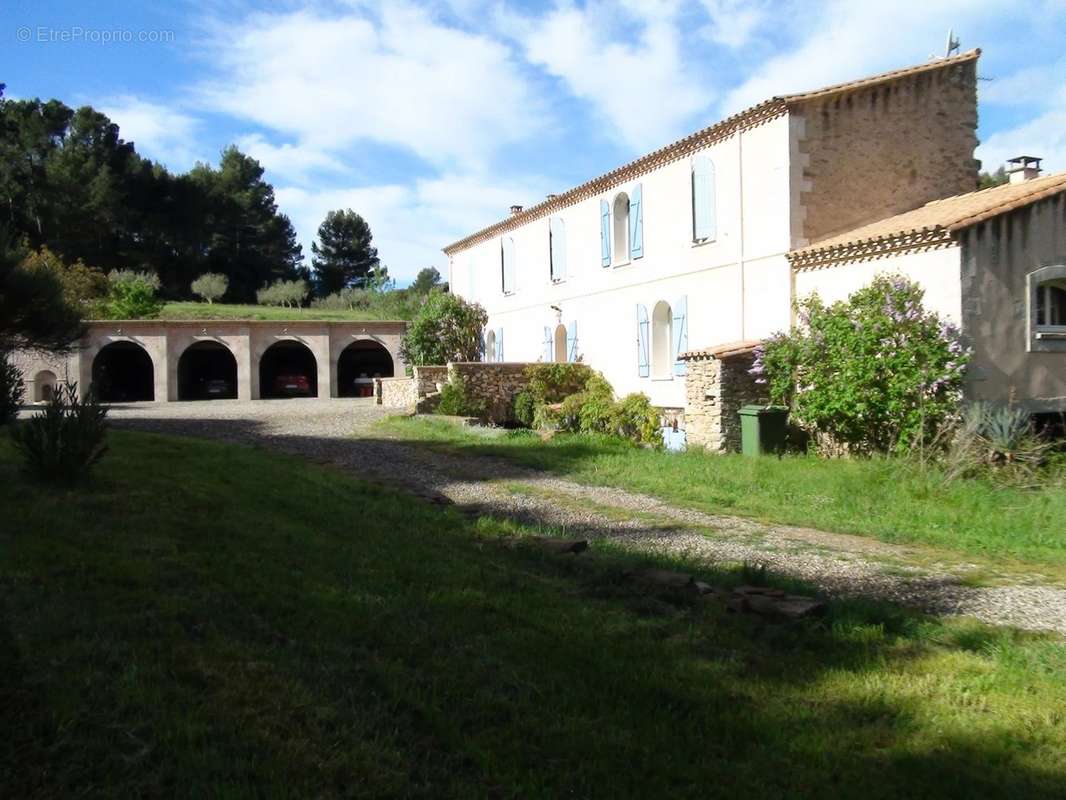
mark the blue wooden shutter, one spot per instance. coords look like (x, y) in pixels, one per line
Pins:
(704, 223)
(557, 232)
(679, 328)
(636, 223)
(571, 341)
(548, 344)
(499, 344)
(605, 234)
(485, 345)
(643, 362)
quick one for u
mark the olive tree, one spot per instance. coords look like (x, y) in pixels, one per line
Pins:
(210, 286)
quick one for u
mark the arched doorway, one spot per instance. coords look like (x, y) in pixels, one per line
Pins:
(123, 373)
(207, 371)
(661, 324)
(560, 343)
(359, 364)
(288, 369)
(44, 386)
(490, 346)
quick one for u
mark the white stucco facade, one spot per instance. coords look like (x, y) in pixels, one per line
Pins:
(735, 286)
(788, 172)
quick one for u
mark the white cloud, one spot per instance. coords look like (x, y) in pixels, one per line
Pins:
(160, 132)
(411, 223)
(734, 22)
(842, 40)
(289, 161)
(639, 85)
(330, 81)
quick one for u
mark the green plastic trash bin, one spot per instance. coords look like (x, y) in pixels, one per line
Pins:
(763, 430)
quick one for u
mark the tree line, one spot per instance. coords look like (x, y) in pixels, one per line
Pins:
(69, 182)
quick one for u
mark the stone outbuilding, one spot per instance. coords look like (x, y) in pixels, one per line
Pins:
(160, 360)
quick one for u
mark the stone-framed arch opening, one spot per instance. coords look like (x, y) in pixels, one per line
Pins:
(207, 370)
(44, 386)
(123, 372)
(288, 368)
(357, 366)
(559, 344)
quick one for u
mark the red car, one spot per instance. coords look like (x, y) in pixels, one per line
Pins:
(292, 383)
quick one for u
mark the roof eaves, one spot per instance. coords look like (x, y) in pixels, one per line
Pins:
(929, 237)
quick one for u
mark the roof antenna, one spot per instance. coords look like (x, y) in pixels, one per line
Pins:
(952, 47)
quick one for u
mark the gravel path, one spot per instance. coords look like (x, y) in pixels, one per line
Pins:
(341, 432)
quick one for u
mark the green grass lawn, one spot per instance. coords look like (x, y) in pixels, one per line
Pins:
(186, 310)
(889, 500)
(209, 620)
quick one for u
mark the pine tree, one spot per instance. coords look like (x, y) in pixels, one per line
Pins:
(344, 255)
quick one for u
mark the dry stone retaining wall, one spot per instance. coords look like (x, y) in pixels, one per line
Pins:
(715, 389)
(396, 392)
(495, 383)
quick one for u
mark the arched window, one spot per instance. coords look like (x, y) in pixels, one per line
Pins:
(620, 229)
(661, 337)
(490, 346)
(1051, 304)
(44, 385)
(507, 265)
(704, 212)
(560, 344)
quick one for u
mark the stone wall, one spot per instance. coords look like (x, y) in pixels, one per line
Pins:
(396, 392)
(715, 389)
(496, 383)
(428, 377)
(880, 150)
(42, 371)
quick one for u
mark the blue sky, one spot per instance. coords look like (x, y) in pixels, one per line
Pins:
(432, 118)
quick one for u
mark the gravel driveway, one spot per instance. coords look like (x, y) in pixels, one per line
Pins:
(341, 432)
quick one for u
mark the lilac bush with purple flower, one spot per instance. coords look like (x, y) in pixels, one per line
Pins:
(878, 371)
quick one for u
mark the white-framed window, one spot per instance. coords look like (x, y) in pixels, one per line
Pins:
(507, 265)
(557, 249)
(704, 206)
(1047, 308)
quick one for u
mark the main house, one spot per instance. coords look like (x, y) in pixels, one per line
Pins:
(709, 240)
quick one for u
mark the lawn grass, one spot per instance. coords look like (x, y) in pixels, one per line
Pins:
(206, 620)
(889, 500)
(222, 311)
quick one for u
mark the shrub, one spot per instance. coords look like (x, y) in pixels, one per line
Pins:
(446, 328)
(346, 299)
(210, 286)
(289, 294)
(84, 288)
(553, 383)
(876, 372)
(64, 441)
(132, 295)
(998, 442)
(12, 389)
(456, 401)
(634, 418)
(568, 415)
(523, 408)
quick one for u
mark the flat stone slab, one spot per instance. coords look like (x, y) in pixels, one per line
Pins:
(662, 577)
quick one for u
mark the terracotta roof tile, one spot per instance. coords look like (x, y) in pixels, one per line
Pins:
(932, 223)
(721, 351)
(749, 118)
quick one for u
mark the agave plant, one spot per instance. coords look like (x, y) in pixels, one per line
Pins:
(996, 438)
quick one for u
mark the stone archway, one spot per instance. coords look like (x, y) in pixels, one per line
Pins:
(44, 386)
(207, 370)
(357, 366)
(123, 372)
(288, 368)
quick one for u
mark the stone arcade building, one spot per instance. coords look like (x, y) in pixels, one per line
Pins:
(144, 360)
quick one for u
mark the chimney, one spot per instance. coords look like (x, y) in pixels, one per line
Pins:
(551, 196)
(1023, 168)
(516, 210)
